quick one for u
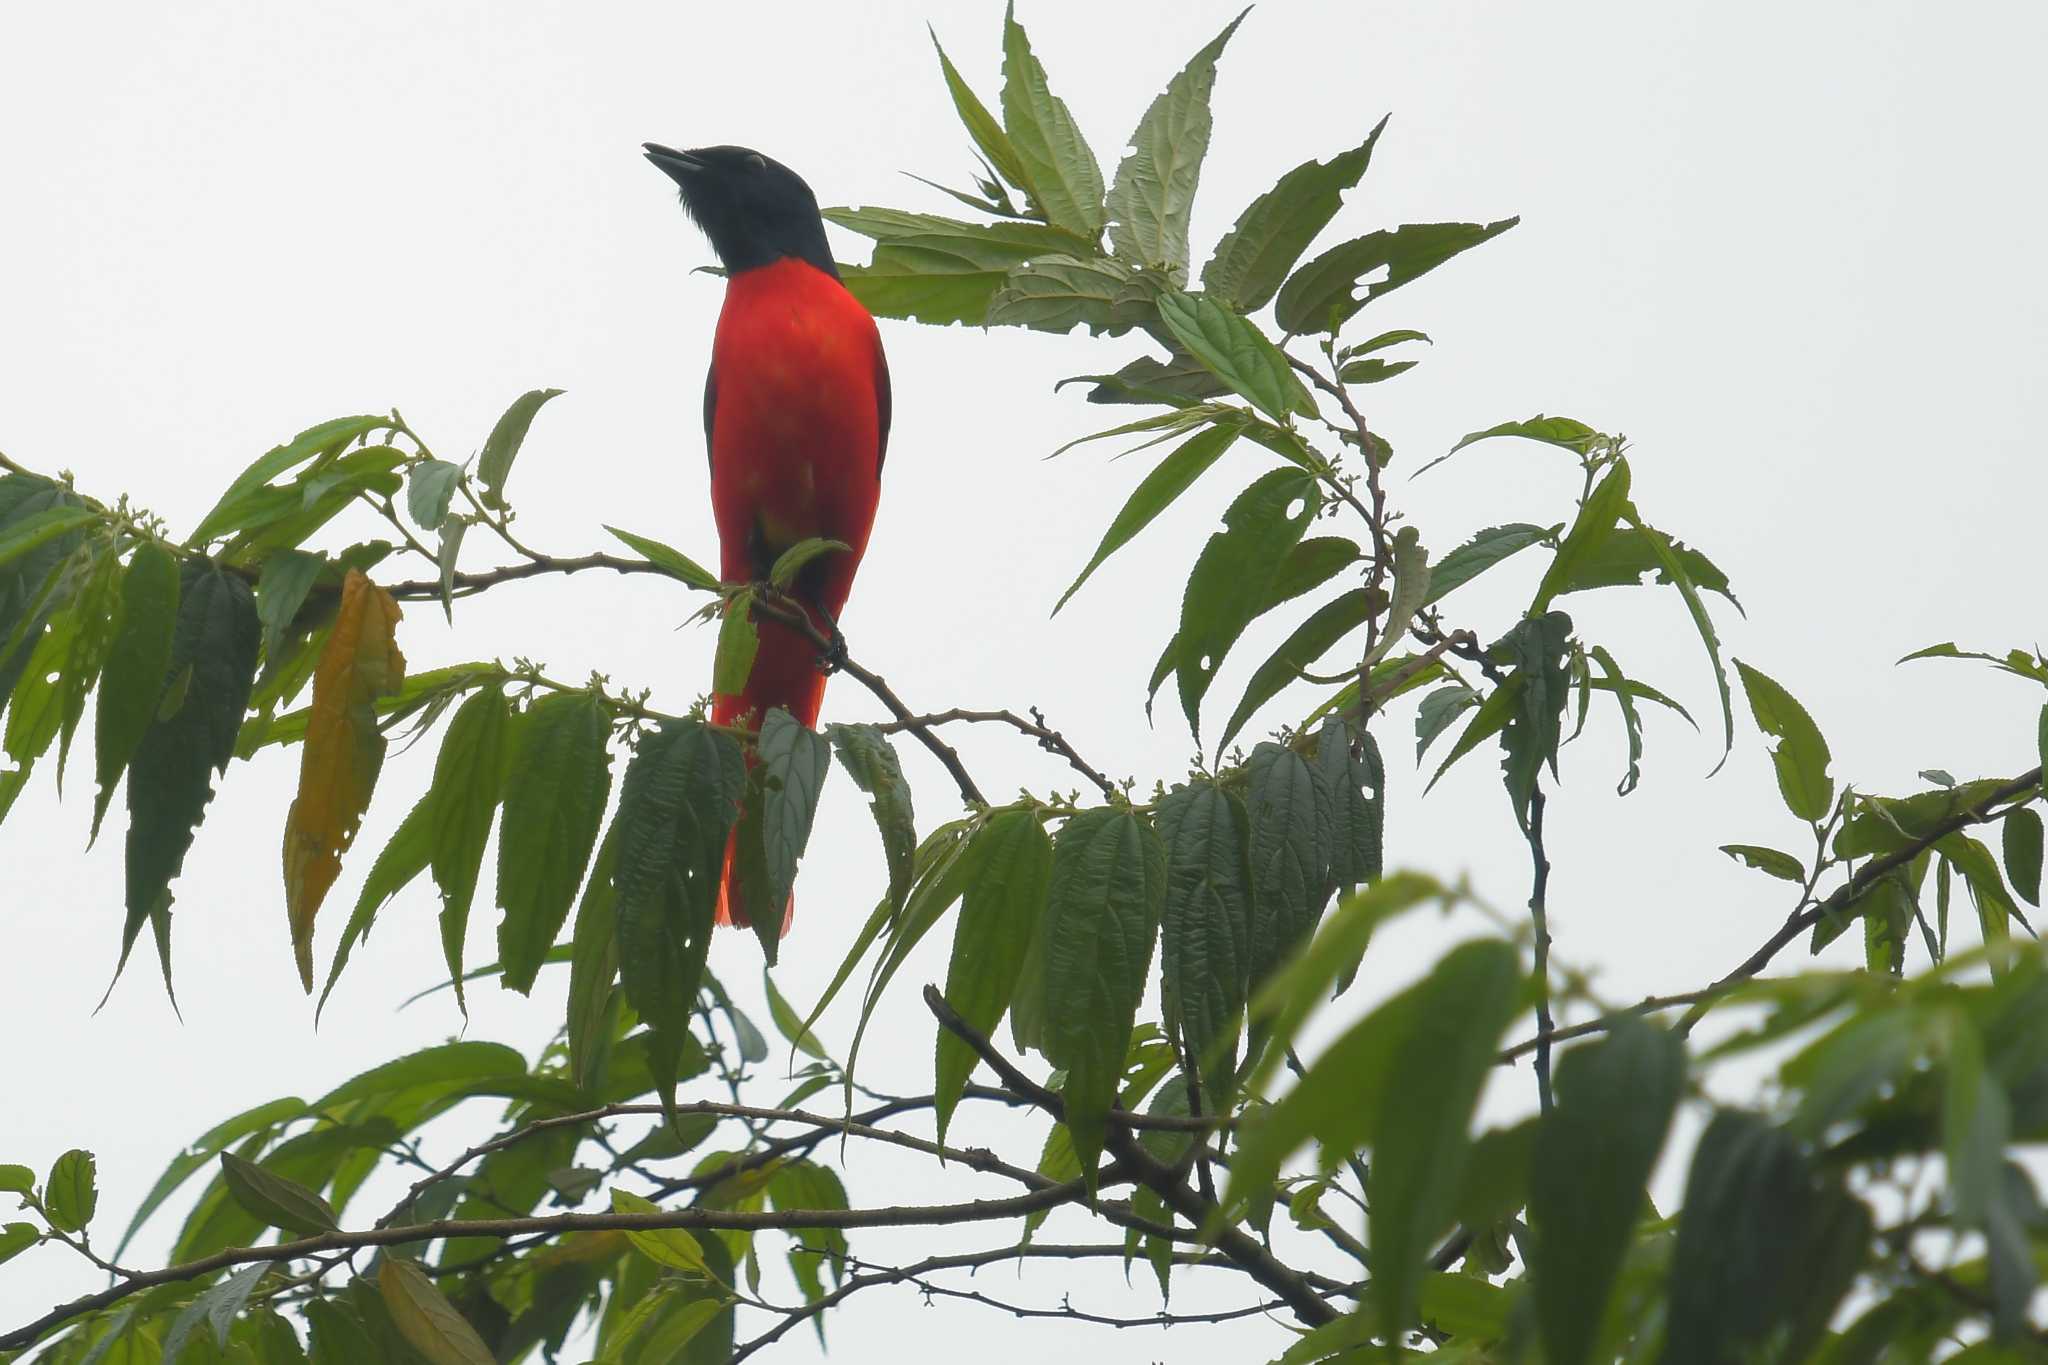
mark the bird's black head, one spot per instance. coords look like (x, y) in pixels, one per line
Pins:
(754, 209)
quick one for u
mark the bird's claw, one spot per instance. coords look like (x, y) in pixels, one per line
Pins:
(835, 656)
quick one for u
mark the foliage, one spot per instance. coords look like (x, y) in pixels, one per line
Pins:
(1866, 1206)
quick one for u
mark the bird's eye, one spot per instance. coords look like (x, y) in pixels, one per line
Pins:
(757, 161)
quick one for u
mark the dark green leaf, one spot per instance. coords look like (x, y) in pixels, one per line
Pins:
(1783, 866)
(1493, 715)
(981, 125)
(1179, 380)
(869, 759)
(1062, 176)
(1597, 515)
(1204, 960)
(1154, 189)
(1157, 491)
(2022, 844)
(1496, 1177)
(1238, 353)
(502, 446)
(212, 667)
(1437, 711)
(1800, 755)
(1289, 854)
(1411, 590)
(1000, 912)
(277, 1201)
(469, 780)
(554, 803)
(1373, 370)
(1059, 293)
(33, 532)
(446, 559)
(71, 1193)
(1676, 573)
(671, 560)
(1592, 1160)
(1234, 575)
(1255, 255)
(593, 968)
(1107, 889)
(132, 682)
(288, 576)
(1533, 730)
(1353, 790)
(1627, 555)
(1322, 295)
(787, 780)
(1312, 639)
(1631, 722)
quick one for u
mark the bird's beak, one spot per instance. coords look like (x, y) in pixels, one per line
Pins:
(680, 167)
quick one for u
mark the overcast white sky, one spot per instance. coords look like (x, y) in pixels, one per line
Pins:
(1789, 250)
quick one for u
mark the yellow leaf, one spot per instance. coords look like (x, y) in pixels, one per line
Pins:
(343, 751)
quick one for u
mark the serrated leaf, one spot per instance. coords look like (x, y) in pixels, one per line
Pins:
(1800, 755)
(981, 125)
(502, 446)
(1312, 639)
(1603, 507)
(1631, 721)
(1062, 176)
(1323, 295)
(132, 682)
(1533, 729)
(1154, 189)
(554, 802)
(871, 761)
(1289, 856)
(429, 487)
(216, 1307)
(276, 1200)
(410, 850)
(71, 1191)
(1437, 711)
(316, 443)
(1238, 353)
(1783, 866)
(593, 968)
(1628, 558)
(469, 780)
(1593, 1157)
(1254, 257)
(1000, 912)
(1205, 927)
(1157, 491)
(426, 1319)
(1233, 577)
(738, 642)
(1104, 899)
(788, 777)
(1680, 577)
(1352, 791)
(672, 561)
(1477, 555)
(343, 753)
(1060, 292)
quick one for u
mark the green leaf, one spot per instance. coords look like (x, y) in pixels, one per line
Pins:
(1269, 236)
(1976, 1123)
(1310, 641)
(1289, 855)
(1783, 866)
(1157, 491)
(1437, 711)
(446, 560)
(1058, 293)
(940, 270)
(16, 1179)
(1205, 927)
(671, 560)
(407, 855)
(2022, 847)
(554, 803)
(1676, 572)
(871, 761)
(1603, 507)
(501, 447)
(1628, 554)
(1631, 722)
(426, 1319)
(288, 576)
(202, 1152)
(788, 777)
(1373, 370)
(677, 804)
(792, 562)
(469, 780)
(319, 443)
(738, 643)
(1107, 889)
(218, 1306)
(1564, 432)
(1233, 577)
(1800, 754)
(1180, 380)
(1322, 295)
(673, 1248)
(1477, 555)
(1238, 353)
(277, 1201)
(429, 486)
(1352, 788)
(1062, 176)
(63, 664)
(593, 968)
(16, 1238)
(1533, 729)
(1154, 190)
(1592, 1160)
(999, 917)
(212, 667)
(981, 125)
(34, 532)
(71, 1193)
(276, 519)
(788, 1024)
(1411, 590)
(132, 682)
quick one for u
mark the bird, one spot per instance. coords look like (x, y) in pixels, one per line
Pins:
(797, 406)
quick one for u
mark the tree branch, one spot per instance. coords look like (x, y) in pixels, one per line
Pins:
(1052, 741)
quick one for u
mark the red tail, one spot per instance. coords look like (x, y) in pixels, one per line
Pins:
(785, 675)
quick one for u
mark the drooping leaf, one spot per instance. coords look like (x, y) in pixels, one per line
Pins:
(1437, 711)
(788, 778)
(132, 683)
(1679, 576)
(1205, 926)
(1000, 912)
(2021, 840)
(1351, 781)
(1310, 641)
(1411, 589)
(870, 760)
(1534, 727)
(275, 1200)
(1322, 295)
(429, 486)
(981, 125)
(343, 753)
(593, 970)
(554, 802)
(1593, 1157)
(16, 1238)
(1180, 381)
(1627, 556)
(408, 853)
(1563, 432)
(1254, 257)
(1631, 722)
(469, 780)
(192, 735)
(1800, 755)
(426, 1319)
(1154, 189)
(1232, 578)
(1289, 852)
(1238, 353)
(1063, 178)
(501, 447)
(1603, 507)
(1157, 491)
(1107, 888)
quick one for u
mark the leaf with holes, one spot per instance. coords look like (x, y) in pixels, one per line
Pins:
(1800, 754)
(1323, 295)
(1253, 259)
(1154, 190)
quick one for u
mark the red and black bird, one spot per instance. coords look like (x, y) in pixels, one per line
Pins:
(796, 414)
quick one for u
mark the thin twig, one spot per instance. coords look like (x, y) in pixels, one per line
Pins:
(1048, 739)
(1539, 918)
